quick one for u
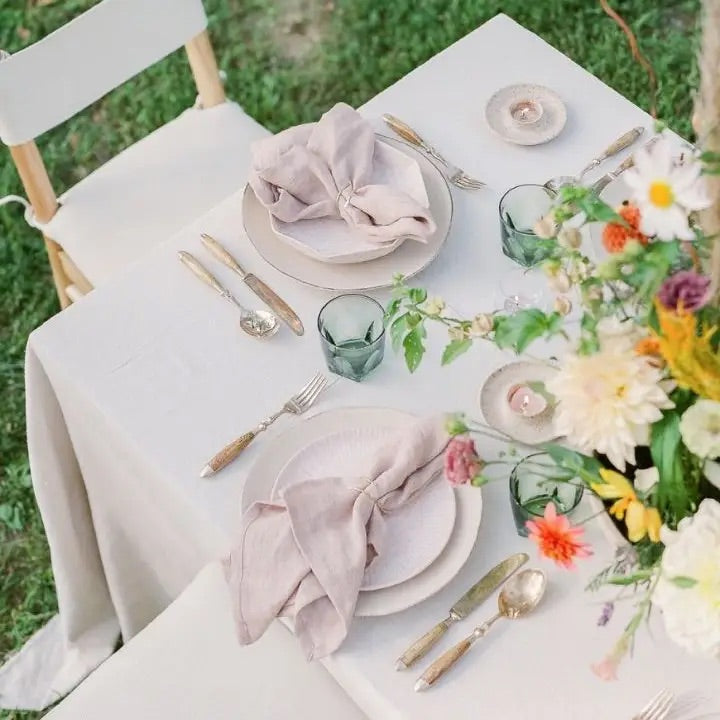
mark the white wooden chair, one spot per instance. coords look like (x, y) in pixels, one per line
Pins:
(151, 189)
(188, 665)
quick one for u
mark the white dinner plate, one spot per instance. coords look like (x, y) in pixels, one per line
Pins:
(331, 240)
(409, 259)
(415, 534)
(276, 453)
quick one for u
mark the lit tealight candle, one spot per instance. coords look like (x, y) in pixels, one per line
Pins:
(524, 401)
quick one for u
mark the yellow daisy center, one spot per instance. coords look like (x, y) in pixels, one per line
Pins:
(661, 194)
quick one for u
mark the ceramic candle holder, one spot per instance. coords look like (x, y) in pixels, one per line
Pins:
(526, 112)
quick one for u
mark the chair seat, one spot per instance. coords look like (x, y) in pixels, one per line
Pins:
(154, 188)
(188, 665)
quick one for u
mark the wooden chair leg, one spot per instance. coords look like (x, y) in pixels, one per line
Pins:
(72, 271)
(59, 275)
(205, 70)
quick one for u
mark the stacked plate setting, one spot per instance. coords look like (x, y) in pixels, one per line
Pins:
(428, 540)
(325, 254)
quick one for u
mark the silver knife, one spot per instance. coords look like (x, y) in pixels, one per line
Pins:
(267, 295)
(624, 141)
(479, 592)
(600, 184)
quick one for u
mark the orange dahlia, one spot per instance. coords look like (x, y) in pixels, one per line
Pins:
(556, 538)
(615, 235)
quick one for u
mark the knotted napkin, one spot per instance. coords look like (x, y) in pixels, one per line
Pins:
(324, 169)
(304, 554)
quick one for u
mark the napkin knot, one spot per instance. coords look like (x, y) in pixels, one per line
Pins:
(345, 194)
(369, 490)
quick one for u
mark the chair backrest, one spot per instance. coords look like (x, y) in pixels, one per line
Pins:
(43, 85)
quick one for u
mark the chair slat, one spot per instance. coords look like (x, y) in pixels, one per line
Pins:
(48, 82)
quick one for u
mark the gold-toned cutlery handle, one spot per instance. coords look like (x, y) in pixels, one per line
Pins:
(228, 453)
(624, 141)
(444, 663)
(630, 159)
(221, 253)
(403, 130)
(201, 271)
(421, 647)
(274, 301)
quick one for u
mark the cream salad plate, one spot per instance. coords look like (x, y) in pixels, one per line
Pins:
(310, 253)
(431, 537)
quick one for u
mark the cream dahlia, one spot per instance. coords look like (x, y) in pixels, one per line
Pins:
(700, 428)
(607, 402)
(665, 192)
(688, 591)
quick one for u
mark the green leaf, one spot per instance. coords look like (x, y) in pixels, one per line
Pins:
(675, 497)
(398, 330)
(682, 581)
(633, 579)
(598, 211)
(417, 295)
(391, 310)
(414, 348)
(586, 467)
(455, 349)
(480, 480)
(517, 331)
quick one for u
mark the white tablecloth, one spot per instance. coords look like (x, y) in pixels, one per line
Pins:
(133, 387)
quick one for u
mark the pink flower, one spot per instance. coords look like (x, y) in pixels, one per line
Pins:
(606, 669)
(462, 463)
(557, 539)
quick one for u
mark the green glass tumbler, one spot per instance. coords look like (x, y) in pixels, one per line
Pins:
(536, 481)
(352, 335)
(520, 208)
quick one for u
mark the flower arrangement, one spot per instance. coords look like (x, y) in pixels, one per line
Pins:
(636, 395)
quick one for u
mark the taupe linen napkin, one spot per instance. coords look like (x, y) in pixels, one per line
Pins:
(324, 169)
(304, 555)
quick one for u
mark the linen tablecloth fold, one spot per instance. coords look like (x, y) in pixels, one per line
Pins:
(304, 554)
(325, 169)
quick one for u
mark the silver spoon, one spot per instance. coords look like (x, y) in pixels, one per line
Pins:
(624, 141)
(519, 596)
(258, 323)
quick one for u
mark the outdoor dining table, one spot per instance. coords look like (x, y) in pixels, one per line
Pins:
(132, 389)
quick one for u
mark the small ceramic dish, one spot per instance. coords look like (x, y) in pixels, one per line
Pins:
(495, 397)
(526, 114)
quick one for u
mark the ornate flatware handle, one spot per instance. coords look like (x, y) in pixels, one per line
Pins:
(201, 271)
(221, 254)
(630, 160)
(420, 648)
(404, 130)
(624, 141)
(231, 451)
(446, 661)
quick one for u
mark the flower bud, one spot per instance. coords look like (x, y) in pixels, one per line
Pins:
(562, 305)
(560, 282)
(482, 325)
(546, 227)
(456, 333)
(569, 238)
(434, 306)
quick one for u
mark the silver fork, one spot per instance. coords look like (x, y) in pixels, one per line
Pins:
(296, 405)
(455, 175)
(658, 708)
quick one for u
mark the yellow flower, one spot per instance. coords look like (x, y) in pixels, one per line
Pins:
(639, 519)
(691, 358)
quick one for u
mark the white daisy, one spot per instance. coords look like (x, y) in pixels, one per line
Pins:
(665, 192)
(607, 402)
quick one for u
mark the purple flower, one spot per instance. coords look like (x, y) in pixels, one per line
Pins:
(686, 289)
(606, 614)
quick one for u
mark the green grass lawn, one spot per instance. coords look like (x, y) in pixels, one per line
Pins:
(286, 61)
